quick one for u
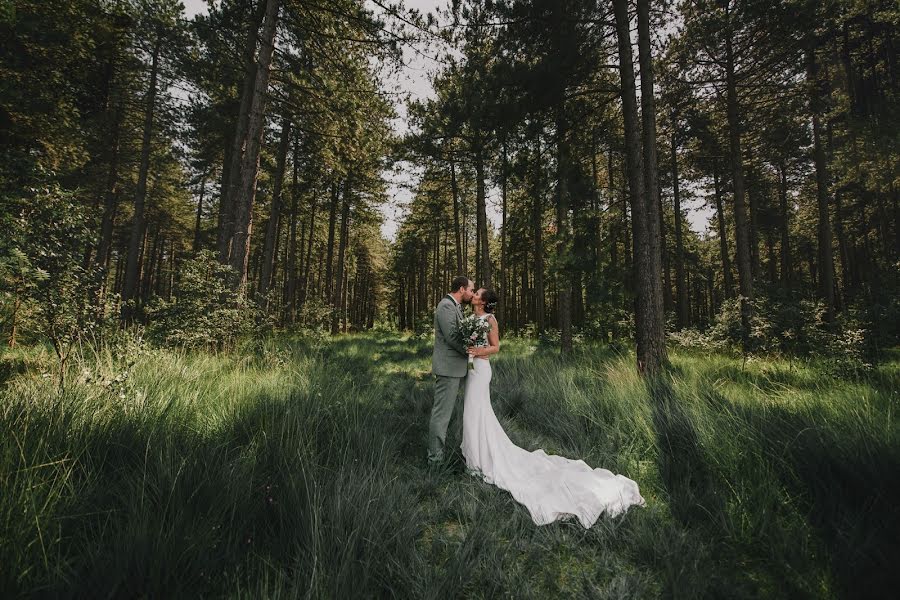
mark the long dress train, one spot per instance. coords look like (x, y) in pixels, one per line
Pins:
(551, 487)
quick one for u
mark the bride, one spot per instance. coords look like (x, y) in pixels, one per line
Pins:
(551, 487)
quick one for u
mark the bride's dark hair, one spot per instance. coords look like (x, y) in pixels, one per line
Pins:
(490, 298)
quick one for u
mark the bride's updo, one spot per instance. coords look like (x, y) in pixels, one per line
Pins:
(490, 299)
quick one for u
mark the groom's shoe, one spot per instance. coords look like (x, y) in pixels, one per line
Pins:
(437, 468)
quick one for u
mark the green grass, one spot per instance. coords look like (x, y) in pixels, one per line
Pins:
(290, 468)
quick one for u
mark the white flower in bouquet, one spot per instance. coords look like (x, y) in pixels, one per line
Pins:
(474, 332)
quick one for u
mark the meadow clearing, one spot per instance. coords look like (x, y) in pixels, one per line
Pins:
(293, 467)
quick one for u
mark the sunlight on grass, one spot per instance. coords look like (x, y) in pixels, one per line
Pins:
(290, 467)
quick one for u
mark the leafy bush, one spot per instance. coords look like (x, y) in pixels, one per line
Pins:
(792, 328)
(205, 311)
(314, 318)
(609, 324)
(42, 270)
(424, 325)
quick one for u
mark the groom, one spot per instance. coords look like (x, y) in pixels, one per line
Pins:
(449, 363)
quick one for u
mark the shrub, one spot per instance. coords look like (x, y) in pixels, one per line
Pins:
(42, 270)
(794, 327)
(424, 325)
(205, 312)
(314, 318)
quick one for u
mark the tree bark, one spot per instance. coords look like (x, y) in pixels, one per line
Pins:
(651, 351)
(332, 223)
(538, 225)
(290, 286)
(825, 257)
(130, 288)
(481, 219)
(753, 204)
(741, 225)
(111, 201)
(244, 198)
(843, 250)
(504, 277)
(454, 186)
(681, 291)
(651, 182)
(727, 280)
(338, 299)
(784, 229)
(196, 244)
(273, 224)
(234, 152)
(563, 235)
(304, 283)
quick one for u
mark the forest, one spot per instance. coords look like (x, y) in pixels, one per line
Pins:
(209, 218)
(147, 157)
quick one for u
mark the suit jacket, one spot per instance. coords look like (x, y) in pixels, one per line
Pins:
(449, 357)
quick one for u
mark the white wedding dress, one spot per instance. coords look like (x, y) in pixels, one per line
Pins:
(551, 487)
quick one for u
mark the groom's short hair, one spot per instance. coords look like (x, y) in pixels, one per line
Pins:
(459, 282)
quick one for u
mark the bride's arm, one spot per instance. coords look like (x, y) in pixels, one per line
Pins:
(493, 339)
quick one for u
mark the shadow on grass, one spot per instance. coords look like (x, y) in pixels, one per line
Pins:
(848, 483)
(736, 537)
(693, 489)
(313, 489)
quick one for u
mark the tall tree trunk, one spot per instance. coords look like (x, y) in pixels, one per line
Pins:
(741, 225)
(150, 267)
(538, 226)
(668, 301)
(642, 178)
(290, 286)
(727, 281)
(338, 299)
(111, 202)
(481, 219)
(681, 291)
(196, 245)
(627, 239)
(563, 235)
(435, 261)
(224, 224)
(843, 250)
(770, 252)
(332, 223)
(753, 203)
(273, 224)
(825, 258)
(454, 186)
(307, 262)
(783, 227)
(234, 151)
(504, 276)
(130, 288)
(343, 301)
(244, 198)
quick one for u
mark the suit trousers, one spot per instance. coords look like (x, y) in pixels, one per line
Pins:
(445, 392)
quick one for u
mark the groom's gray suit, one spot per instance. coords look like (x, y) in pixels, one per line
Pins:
(449, 363)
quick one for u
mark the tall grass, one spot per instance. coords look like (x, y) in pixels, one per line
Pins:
(288, 468)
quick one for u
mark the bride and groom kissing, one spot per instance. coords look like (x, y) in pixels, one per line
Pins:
(550, 487)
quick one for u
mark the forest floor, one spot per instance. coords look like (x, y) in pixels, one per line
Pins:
(296, 468)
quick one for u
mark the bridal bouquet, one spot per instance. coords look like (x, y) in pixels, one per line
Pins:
(474, 332)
